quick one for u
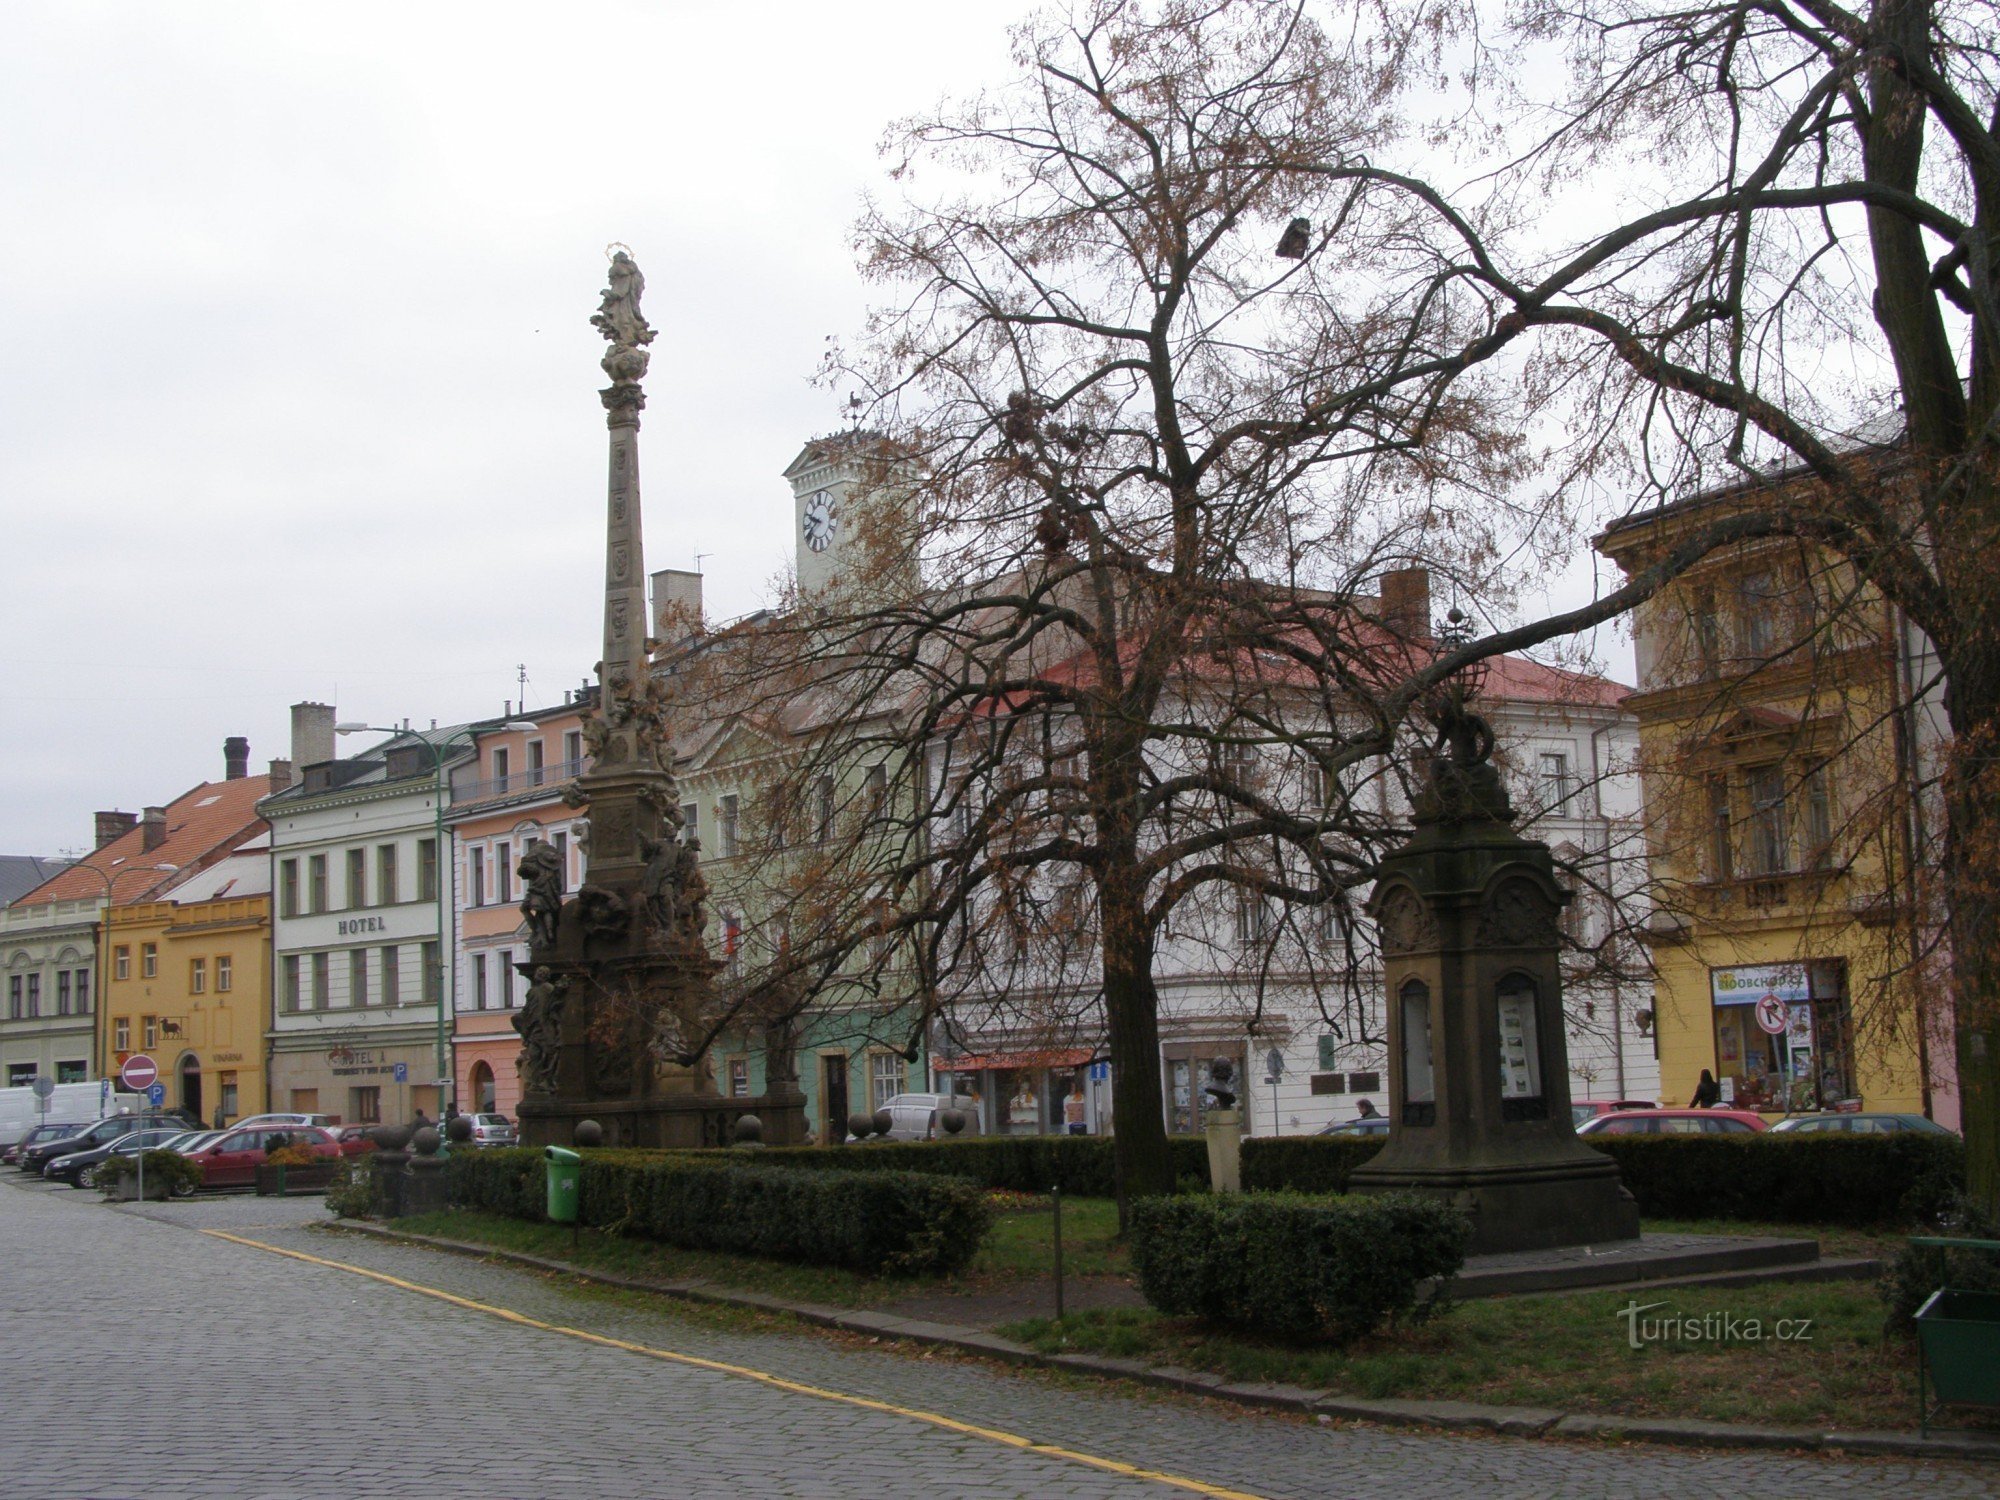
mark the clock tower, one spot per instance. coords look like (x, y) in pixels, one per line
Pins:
(848, 491)
(823, 477)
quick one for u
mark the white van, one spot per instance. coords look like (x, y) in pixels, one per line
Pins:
(70, 1104)
(913, 1117)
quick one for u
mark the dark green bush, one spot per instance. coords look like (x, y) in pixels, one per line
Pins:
(1079, 1164)
(166, 1172)
(894, 1223)
(1294, 1267)
(1304, 1163)
(1919, 1270)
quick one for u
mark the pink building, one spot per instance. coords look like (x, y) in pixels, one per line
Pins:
(507, 796)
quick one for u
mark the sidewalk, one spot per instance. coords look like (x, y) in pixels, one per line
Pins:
(926, 1328)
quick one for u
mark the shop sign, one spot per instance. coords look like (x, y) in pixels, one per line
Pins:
(354, 1062)
(1746, 984)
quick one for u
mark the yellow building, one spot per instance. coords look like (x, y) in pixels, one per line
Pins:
(1778, 734)
(190, 986)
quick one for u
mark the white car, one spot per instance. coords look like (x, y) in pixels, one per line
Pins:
(284, 1118)
(913, 1117)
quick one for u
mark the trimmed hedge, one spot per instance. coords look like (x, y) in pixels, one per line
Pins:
(1813, 1178)
(1078, 1164)
(1294, 1267)
(893, 1223)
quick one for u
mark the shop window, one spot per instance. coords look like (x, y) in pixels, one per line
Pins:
(365, 1104)
(72, 1072)
(1188, 1075)
(1419, 1073)
(20, 1075)
(1808, 1064)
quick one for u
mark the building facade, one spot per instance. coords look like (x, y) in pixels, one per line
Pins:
(1783, 725)
(507, 795)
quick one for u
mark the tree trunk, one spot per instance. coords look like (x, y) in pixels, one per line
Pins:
(1972, 891)
(1132, 1011)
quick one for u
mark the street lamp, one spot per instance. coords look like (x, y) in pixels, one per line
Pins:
(437, 749)
(109, 878)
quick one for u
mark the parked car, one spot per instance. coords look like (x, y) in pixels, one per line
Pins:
(1862, 1124)
(79, 1168)
(284, 1117)
(492, 1130)
(12, 1155)
(103, 1133)
(1364, 1125)
(1581, 1110)
(1674, 1122)
(913, 1117)
(233, 1161)
(354, 1139)
(192, 1140)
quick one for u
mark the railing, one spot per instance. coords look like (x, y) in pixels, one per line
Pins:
(551, 776)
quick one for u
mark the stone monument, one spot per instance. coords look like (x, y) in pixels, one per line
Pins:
(621, 1002)
(1478, 1065)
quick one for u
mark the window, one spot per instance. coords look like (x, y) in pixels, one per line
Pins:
(690, 820)
(149, 960)
(475, 877)
(365, 1104)
(427, 869)
(726, 825)
(1419, 1078)
(1770, 842)
(875, 790)
(197, 976)
(739, 1077)
(534, 762)
(1721, 849)
(732, 942)
(14, 997)
(500, 765)
(357, 877)
(149, 1032)
(34, 996)
(73, 1072)
(385, 875)
(885, 1077)
(573, 751)
(433, 975)
(1757, 614)
(506, 959)
(392, 979)
(20, 1075)
(479, 981)
(291, 982)
(357, 977)
(1552, 783)
(121, 1035)
(822, 809)
(320, 965)
(83, 992)
(62, 992)
(316, 898)
(1819, 819)
(227, 1104)
(1253, 918)
(1239, 765)
(225, 973)
(560, 843)
(503, 873)
(288, 889)
(305, 1101)
(1707, 632)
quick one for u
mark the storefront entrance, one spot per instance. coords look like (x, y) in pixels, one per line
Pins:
(1783, 1035)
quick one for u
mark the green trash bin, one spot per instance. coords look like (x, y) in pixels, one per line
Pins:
(565, 1174)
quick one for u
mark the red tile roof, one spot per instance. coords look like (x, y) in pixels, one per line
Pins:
(202, 826)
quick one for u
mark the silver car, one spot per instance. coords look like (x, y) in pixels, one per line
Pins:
(492, 1130)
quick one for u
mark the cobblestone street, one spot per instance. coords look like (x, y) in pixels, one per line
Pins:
(148, 1359)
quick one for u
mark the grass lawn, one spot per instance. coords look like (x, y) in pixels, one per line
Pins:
(1570, 1352)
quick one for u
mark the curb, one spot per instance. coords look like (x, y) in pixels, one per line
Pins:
(1440, 1416)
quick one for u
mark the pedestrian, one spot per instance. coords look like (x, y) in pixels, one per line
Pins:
(1365, 1110)
(420, 1121)
(1707, 1093)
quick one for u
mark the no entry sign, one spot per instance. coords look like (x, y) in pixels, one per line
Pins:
(139, 1072)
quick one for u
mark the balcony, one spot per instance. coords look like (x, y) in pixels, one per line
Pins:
(550, 778)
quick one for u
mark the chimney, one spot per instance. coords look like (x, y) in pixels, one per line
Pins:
(153, 828)
(676, 604)
(1406, 601)
(312, 733)
(112, 826)
(281, 775)
(235, 758)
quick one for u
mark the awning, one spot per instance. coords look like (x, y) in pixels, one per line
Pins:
(975, 1062)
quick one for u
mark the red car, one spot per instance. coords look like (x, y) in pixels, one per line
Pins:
(1674, 1122)
(233, 1161)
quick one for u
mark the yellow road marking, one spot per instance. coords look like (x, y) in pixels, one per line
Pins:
(779, 1382)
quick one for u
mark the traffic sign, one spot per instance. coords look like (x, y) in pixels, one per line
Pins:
(402, 1072)
(156, 1095)
(43, 1086)
(1771, 1014)
(1100, 1072)
(139, 1072)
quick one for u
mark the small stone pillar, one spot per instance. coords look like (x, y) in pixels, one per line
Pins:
(1223, 1125)
(1479, 1107)
(424, 1190)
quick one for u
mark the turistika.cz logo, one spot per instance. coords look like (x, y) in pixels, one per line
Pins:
(1707, 1328)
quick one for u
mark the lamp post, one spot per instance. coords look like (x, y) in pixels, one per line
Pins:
(109, 877)
(437, 749)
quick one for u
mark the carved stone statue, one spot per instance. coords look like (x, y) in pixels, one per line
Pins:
(540, 1025)
(660, 885)
(1462, 784)
(1221, 1072)
(604, 913)
(541, 874)
(693, 912)
(618, 318)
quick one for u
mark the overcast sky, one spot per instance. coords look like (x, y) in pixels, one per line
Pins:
(297, 383)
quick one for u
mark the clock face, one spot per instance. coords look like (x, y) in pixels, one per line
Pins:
(818, 523)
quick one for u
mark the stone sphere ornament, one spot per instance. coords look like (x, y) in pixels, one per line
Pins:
(860, 1125)
(953, 1120)
(458, 1129)
(883, 1121)
(426, 1141)
(391, 1137)
(748, 1131)
(589, 1133)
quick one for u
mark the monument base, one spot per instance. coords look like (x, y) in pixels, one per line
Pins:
(668, 1122)
(1521, 1206)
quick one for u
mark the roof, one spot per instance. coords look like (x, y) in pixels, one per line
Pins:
(371, 766)
(247, 872)
(21, 873)
(203, 824)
